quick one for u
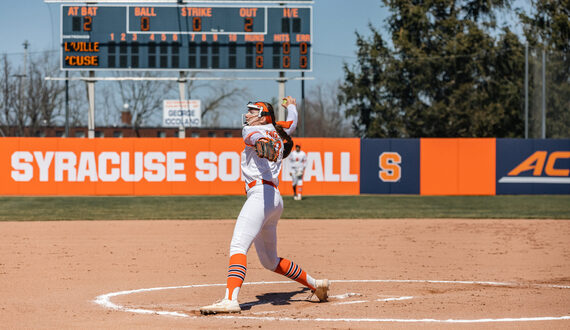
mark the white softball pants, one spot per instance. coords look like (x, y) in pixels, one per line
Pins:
(297, 179)
(257, 223)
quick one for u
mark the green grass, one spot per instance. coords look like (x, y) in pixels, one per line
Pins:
(312, 207)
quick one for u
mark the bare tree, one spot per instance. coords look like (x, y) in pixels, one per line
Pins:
(8, 85)
(109, 107)
(144, 97)
(29, 101)
(323, 115)
(214, 96)
(44, 97)
(18, 102)
(78, 103)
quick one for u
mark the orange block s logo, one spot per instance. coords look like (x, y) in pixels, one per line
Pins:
(389, 163)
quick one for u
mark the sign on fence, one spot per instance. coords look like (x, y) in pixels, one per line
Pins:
(186, 113)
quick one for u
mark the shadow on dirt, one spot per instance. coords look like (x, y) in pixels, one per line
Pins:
(275, 299)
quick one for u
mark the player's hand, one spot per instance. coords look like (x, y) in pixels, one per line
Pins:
(287, 101)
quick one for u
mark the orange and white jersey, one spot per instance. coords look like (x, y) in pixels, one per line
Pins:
(253, 167)
(297, 160)
(257, 169)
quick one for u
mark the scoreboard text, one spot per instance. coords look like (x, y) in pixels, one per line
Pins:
(186, 38)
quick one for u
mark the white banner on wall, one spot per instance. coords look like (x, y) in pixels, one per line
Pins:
(185, 113)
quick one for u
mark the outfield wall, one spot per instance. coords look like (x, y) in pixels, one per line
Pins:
(336, 166)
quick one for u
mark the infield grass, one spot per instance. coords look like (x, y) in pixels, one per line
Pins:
(312, 207)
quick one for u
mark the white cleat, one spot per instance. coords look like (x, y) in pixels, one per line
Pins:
(322, 289)
(222, 306)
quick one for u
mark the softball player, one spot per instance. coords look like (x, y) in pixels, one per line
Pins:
(297, 163)
(267, 143)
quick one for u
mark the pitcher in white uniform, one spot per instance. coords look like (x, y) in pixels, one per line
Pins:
(257, 221)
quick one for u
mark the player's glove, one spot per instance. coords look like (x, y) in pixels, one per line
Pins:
(266, 148)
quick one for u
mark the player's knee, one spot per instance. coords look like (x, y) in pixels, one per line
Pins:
(269, 262)
(268, 259)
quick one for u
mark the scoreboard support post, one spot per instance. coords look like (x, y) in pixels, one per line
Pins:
(281, 81)
(182, 95)
(67, 104)
(91, 96)
(303, 103)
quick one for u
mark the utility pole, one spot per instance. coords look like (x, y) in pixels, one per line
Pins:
(25, 73)
(281, 82)
(26, 44)
(21, 76)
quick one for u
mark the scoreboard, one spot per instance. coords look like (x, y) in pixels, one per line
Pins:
(186, 37)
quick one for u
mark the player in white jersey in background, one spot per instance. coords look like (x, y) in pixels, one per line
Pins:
(297, 163)
(257, 221)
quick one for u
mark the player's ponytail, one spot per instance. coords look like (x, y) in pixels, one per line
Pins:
(286, 138)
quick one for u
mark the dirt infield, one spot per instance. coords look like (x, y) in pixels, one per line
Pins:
(427, 273)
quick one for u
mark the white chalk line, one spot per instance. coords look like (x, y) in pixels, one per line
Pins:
(105, 301)
(352, 302)
(395, 298)
(521, 319)
(365, 301)
(345, 295)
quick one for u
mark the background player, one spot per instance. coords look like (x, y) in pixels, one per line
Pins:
(297, 162)
(267, 143)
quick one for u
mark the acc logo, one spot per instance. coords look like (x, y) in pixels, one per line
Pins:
(538, 163)
(389, 163)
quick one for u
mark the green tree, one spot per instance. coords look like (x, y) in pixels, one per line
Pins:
(446, 73)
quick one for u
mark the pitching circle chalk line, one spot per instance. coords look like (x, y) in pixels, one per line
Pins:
(105, 301)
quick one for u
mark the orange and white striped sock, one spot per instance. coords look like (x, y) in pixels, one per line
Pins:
(236, 275)
(293, 271)
(300, 190)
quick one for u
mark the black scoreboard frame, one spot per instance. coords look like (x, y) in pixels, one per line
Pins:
(85, 47)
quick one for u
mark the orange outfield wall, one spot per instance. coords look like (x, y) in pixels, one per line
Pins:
(333, 167)
(461, 166)
(161, 166)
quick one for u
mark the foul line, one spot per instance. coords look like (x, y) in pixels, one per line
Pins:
(522, 319)
(105, 301)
